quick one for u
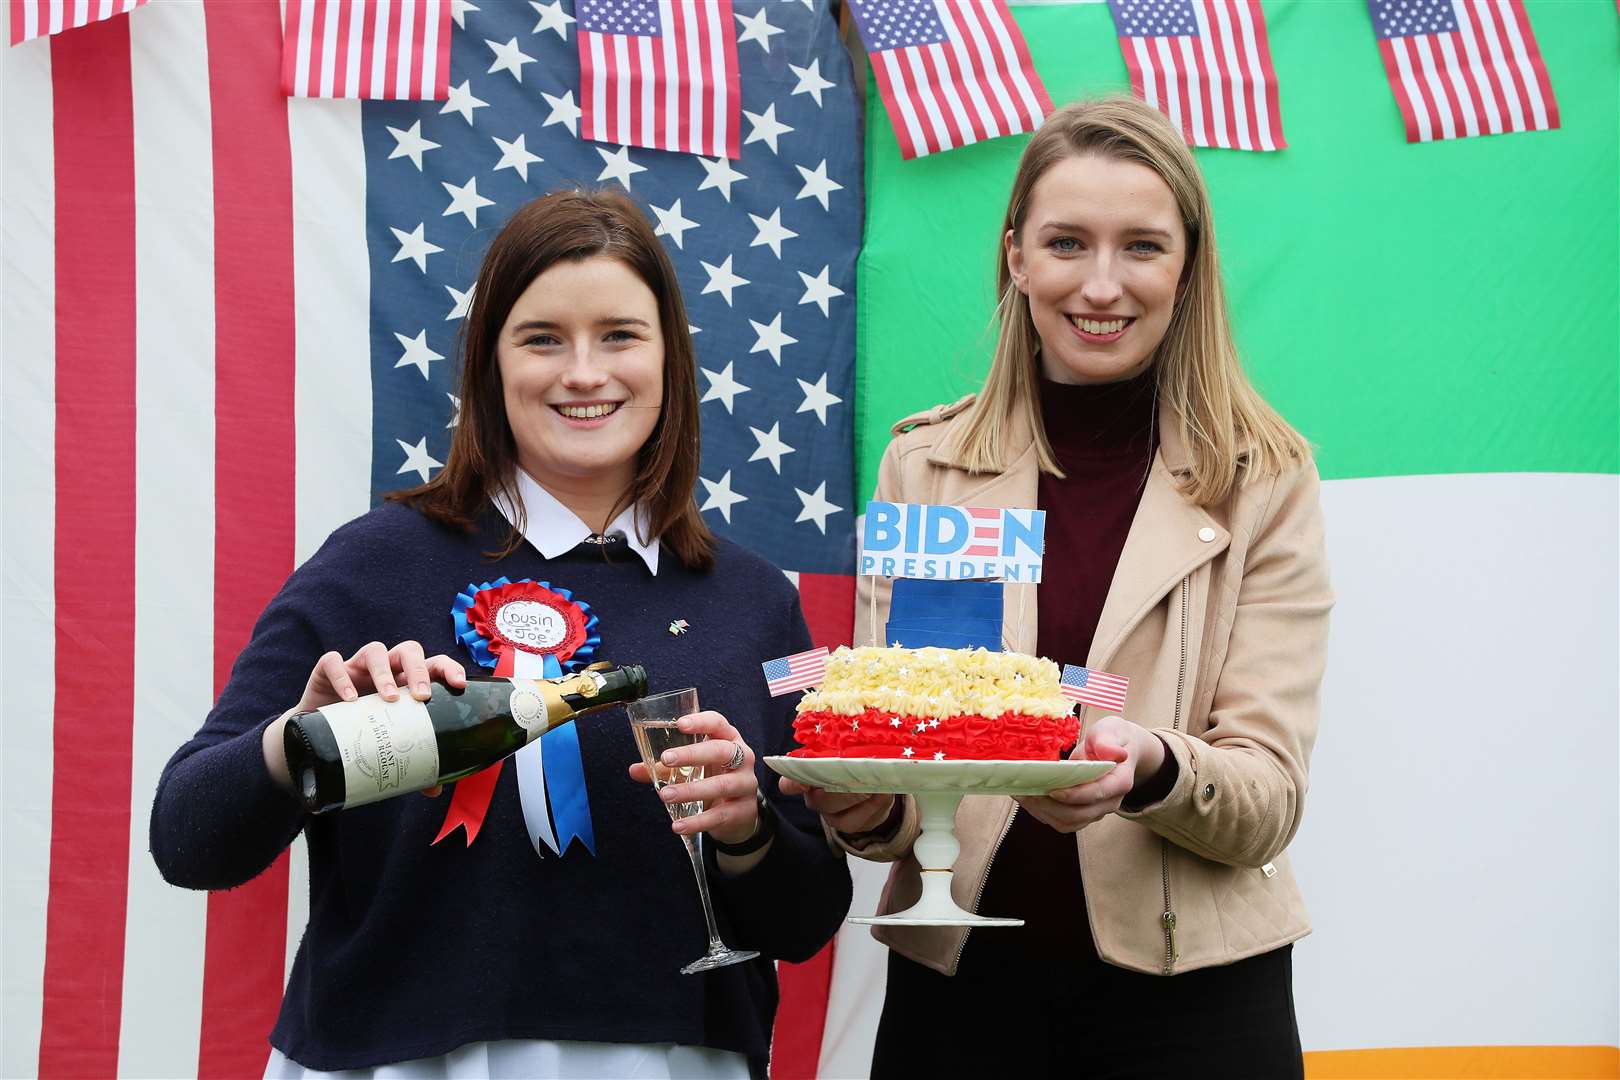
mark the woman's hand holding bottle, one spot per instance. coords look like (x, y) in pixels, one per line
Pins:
(373, 669)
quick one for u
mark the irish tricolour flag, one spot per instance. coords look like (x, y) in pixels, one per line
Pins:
(1440, 321)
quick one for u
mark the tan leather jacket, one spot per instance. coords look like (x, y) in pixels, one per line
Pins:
(1219, 617)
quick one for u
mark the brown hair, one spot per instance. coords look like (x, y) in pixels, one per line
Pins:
(1221, 418)
(570, 226)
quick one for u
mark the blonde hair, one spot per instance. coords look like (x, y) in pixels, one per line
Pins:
(1222, 419)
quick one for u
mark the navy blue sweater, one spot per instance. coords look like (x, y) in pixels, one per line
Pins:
(413, 949)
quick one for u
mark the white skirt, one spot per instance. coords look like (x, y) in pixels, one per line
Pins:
(539, 1059)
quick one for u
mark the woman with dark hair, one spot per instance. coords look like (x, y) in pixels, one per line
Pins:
(573, 465)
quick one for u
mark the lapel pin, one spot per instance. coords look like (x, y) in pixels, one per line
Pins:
(679, 627)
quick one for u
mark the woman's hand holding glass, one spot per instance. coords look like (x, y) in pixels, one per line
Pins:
(1138, 754)
(728, 792)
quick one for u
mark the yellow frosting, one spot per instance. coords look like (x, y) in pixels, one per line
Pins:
(937, 682)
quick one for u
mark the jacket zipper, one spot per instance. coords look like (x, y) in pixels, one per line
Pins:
(983, 881)
(1168, 919)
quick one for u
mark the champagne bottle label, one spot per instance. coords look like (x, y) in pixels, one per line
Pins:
(387, 747)
(528, 707)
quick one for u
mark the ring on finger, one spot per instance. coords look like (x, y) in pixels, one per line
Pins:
(737, 756)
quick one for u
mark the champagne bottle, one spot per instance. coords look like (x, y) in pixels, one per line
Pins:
(351, 753)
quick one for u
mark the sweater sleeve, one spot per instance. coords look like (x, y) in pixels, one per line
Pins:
(793, 900)
(218, 818)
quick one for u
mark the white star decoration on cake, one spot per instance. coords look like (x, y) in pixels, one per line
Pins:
(939, 755)
(907, 751)
(894, 721)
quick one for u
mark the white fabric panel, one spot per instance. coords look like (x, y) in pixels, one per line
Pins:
(1459, 848)
(27, 510)
(332, 384)
(166, 927)
(332, 312)
(537, 1059)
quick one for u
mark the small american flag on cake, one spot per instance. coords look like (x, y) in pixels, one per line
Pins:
(1090, 687)
(797, 672)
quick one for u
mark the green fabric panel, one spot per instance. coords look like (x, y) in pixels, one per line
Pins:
(1435, 308)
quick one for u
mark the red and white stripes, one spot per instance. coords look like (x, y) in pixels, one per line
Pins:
(174, 442)
(1485, 78)
(980, 84)
(36, 18)
(677, 90)
(377, 49)
(1218, 86)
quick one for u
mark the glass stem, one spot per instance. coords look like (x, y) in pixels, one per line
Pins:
(691, 842)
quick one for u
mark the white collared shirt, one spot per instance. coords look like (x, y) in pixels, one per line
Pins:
(554, 529)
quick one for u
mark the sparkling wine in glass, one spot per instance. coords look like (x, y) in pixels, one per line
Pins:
(652, 719)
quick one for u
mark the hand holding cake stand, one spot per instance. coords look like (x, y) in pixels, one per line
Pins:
(938, 787)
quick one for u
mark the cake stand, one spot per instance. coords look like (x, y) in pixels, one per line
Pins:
(938, 787)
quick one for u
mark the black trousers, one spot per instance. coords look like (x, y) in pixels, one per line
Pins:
(1091, 1021)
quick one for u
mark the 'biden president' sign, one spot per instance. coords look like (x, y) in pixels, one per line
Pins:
(948, 543)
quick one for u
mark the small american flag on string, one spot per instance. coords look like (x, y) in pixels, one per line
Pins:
(951, 72)
(1463, 67)
(1206, 64)
(1090, 687)
(376, 49)
(36, 18)
(797, 672)
(660, 74)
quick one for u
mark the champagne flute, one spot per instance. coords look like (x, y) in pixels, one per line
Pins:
(652, 719)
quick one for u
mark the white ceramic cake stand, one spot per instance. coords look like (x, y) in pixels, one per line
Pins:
(938, 787)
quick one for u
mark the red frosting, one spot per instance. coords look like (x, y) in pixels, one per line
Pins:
(875, 734)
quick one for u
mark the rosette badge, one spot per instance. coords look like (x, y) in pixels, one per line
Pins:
(529, 630)
(525, 628)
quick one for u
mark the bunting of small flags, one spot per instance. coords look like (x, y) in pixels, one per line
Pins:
(37, 18)
(1463, 67)
(370, 49)
(800, 671)
(1206, 64)
(950, 72)
(1090, 687)
(662, 75)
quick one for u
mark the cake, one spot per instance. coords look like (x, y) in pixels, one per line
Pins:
(936, 704)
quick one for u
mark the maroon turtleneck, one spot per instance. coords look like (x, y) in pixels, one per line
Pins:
(1104, 438)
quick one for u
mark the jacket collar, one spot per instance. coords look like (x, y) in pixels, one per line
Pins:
(1170, 536)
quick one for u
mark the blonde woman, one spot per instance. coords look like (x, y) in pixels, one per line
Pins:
(1184, 550)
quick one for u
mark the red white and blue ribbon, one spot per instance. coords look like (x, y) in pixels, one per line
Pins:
(529, 630)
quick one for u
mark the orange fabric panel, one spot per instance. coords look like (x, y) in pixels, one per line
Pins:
(1466, 1063)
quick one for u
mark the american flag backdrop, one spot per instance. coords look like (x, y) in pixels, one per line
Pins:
(1463, 67)
(228, 322)
(1206, 64)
